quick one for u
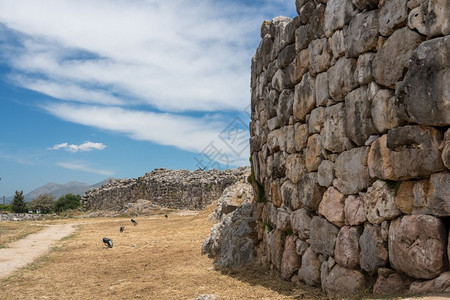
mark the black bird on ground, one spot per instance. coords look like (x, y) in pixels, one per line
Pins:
(134, 222)
(108, 242)
(166, 216)
(122, 228)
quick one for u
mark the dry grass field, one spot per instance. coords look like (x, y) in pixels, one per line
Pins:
(157, 259)
(12, 231)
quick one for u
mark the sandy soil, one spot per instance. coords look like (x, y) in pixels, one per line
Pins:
(22, 252)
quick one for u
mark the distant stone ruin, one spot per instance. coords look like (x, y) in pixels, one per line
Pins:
(350, 103)
(179, 189)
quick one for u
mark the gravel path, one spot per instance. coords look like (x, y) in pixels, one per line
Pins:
(22, 252)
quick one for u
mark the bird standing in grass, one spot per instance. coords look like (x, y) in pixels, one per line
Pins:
(122, 228)
(108, 242)
(134, 222)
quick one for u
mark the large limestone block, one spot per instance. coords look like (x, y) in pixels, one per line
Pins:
(303, 36)
(390, 282)
(393, 14)
(315, 122)
(334, 137)
(314, 150)
(358, 118)
(300, 221)
(309, 192)
(347, 249)
(405, 153)
(425, 92)
(279, 30)
(323, 236)
(431, 18)
(290, 138)
(437, 199)
(301, 64)
(393, 57)
(332, 206)
(289, 193)
(337, 14)
(417, 246)
(342, 282)
(309, 272)
(304, 97)
(285, 106)
(295, 167)
(384, 111)
(374, 251)
(319, 56)
(363, 72)
(301, 136)
(285, 57)
(290, 261)
(379, 203)
(361, 35)
(276, 246)
(278, 166)
(325, 173)
(341, 78)
(404, 197)
(275, 194)
(273, 140)
(445, 148)
(354, 211)
(440, 284)
(283, 219)
(351, 171)
(322, 94)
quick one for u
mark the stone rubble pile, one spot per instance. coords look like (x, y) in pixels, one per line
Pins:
(21, 217)
(179, 189)
(350, 145)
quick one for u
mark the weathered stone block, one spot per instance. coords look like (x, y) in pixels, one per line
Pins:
(440, 284)
(300, 221)
(301, 247)
(341, 78)
(384, 111)
(417, 246)
(283, 220)
(425, 91)
(289, 194)
(303, 36)
(365, 4)
(273, 139)
(392, 58)
(325, 173)
(290, 261)
(358, 118)
(334, 138)
(343, 282)
(280, 80)
(322, 94)
(354, 211)
(445, 148)
(437, 201)
(285, 106)
(347, 250)
(393, 14)
(337, 43)
(315, 122)
(323, 236)
(276, 193)
(309, 272)
(374, 251)
(390, 283)
(404, 197)
(431, 18)
(313, 152)
(379, 203)
(301, 136)
(276, 248)
(361, 35)
(319, 56)
(295, 167)
(304, 97)
(332, 206)
(309, 192)
(278, 28)
(337, 14)
(301, 64)
(363, 72)
(405, 153)
(285, 57)
(351, 171)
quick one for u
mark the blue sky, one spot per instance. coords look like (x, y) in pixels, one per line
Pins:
(115, 88)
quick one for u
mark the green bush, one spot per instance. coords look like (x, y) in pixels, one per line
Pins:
(44, 203)
(5, 207)
(66, 202)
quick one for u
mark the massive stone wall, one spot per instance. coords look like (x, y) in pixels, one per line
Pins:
(179, 189)
(350, 104)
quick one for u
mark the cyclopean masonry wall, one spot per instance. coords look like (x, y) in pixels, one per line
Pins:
(350, 105)
(179, 189)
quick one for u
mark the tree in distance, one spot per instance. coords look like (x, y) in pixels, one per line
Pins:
(68, 201)
(18, 205)
(44, 203)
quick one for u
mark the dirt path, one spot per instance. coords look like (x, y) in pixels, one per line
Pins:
(24, 251)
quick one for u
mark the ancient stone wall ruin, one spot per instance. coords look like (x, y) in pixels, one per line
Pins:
(179, 189)
(350, 104)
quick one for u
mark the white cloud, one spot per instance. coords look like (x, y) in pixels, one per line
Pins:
(86, 146)
(82, 166)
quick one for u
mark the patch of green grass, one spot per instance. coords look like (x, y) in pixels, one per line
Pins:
(393, 185)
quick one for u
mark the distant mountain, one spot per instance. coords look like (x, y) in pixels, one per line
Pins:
(57, 190)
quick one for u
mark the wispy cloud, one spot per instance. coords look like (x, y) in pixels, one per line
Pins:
(86, 146)
(82, 166)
